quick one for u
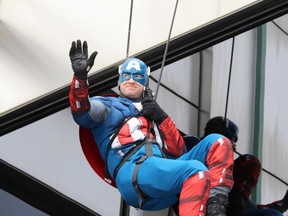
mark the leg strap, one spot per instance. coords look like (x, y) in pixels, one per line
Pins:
(142, 197)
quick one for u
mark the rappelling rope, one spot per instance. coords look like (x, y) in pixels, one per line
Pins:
(124, 207)
(163, 63)
(229, 78)
(129, 30)
(166, 50)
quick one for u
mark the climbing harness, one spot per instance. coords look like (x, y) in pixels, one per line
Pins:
(142, 197)
(148, 142)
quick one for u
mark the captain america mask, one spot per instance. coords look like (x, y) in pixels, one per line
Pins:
(136, 69)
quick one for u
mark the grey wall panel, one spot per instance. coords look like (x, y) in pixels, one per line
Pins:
(241, 102)
(275, 135)
(50, 151)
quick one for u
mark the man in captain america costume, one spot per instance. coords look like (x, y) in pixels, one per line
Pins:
(143, 150)
(246, 172)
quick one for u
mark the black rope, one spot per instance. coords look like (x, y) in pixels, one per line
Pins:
(166, 50)
(124, 207)
(129, 29)
(200, 92)
(177, 95)
(278, 26)
(229, 78)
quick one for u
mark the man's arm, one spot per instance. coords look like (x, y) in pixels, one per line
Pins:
(78, 95)
(81, 65)
(86, 112)
(280, 205)
(173, 141)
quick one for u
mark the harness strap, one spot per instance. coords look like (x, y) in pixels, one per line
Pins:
(148, 146)
(133, 150)
(127, 156)
(142, 197)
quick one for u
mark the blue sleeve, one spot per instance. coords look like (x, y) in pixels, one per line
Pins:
(99, 110)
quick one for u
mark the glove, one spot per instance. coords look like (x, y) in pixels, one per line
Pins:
(81, 65)
(152, 111)
(285, 202)
(280, 205)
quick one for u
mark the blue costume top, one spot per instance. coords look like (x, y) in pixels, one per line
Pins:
(105, 120)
